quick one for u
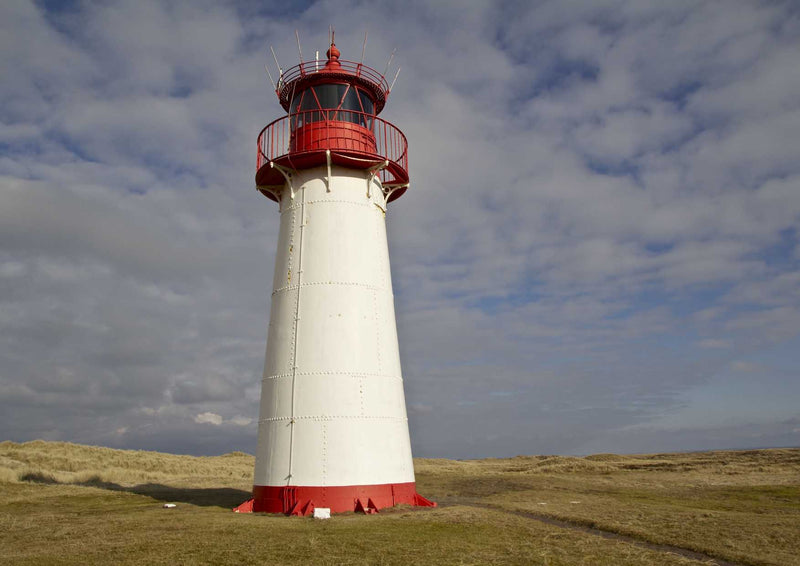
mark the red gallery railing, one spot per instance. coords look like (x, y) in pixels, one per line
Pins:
(350, 68)
(355, 135)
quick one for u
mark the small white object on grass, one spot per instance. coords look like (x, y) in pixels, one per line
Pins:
(322, 513)
(574, 502)
(169, 505)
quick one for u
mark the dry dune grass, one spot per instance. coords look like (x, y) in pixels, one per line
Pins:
(743, 506)
(64, 462)
(64, 503)
(556, 464)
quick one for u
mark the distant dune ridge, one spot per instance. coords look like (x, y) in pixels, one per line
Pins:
(66, 503)
(65, 462)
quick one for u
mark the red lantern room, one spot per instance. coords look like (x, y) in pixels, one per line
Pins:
(333, 109)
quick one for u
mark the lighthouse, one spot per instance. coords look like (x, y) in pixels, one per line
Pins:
(333, 430)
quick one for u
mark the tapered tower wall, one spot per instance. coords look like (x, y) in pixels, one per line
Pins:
(332, 409)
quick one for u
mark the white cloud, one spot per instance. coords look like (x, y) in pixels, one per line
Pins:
(208, 418)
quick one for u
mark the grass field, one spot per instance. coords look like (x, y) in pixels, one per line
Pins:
(63, 503)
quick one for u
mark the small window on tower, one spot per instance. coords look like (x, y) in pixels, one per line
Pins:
(351, 109)
(298, 118)
(369, 108)
(366, 102)
(309, 103)
(330, 96)
(309, 109)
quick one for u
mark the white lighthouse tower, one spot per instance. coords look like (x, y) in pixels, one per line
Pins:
(333, 430)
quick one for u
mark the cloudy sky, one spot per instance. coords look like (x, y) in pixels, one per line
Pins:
(599, 251)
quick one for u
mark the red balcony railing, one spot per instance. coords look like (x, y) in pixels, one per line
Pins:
(354, 138)
(349, 67)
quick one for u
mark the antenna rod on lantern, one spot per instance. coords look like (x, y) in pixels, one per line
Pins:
(266, 68)
(389, 62)
(363, 48)
(316, 60)
(297, 35)
(280, 70)
(395, 79)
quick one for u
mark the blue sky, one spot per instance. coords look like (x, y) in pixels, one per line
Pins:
(599, 251)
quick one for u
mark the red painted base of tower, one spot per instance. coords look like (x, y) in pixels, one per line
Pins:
(301, 500)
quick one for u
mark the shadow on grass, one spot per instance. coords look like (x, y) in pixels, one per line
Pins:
(225, 497)
(204, 497)
(38, 477)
